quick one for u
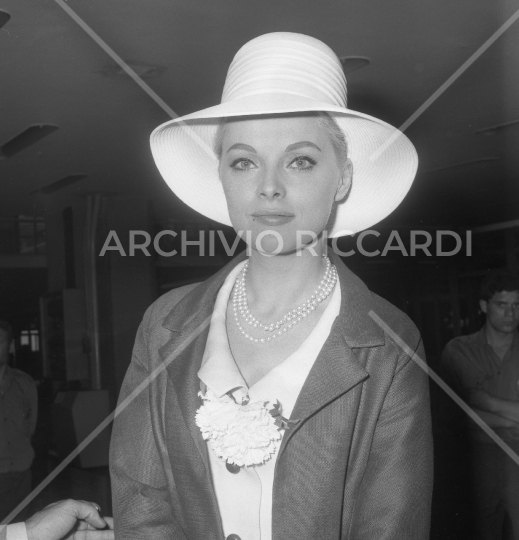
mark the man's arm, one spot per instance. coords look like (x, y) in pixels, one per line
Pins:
(493, 420)
(507, 409)
(395, 497)
(462, 378)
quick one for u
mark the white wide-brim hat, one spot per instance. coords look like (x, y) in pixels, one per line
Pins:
(280, 73)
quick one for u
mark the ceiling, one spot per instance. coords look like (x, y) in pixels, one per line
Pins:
(52, 72)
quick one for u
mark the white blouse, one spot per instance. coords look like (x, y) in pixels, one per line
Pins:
(245, 498)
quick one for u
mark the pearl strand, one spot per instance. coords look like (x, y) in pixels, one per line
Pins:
(319, 295)
(293, 317)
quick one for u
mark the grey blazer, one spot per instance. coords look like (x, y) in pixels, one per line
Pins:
(357, 465)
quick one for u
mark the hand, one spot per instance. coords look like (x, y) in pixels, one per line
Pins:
(479, 399)
(70, 520)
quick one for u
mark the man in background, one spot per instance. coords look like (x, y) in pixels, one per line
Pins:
(484, 370)
(18, 415)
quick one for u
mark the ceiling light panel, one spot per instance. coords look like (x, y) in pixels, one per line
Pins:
(464, 163)
(26, 138)
(4, 17)
(60, 184)
(492, 129)
(352, 63)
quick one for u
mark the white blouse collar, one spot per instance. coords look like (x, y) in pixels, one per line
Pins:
(219, 371)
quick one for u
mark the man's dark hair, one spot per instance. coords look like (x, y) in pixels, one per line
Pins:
(496, 281)
(7, 328)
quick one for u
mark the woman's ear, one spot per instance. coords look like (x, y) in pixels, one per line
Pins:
(345, 182)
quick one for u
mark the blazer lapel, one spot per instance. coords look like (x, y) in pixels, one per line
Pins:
(188, 324)
(335, 372)
(336, 369)
(186, 349)
(313, 459)
(314, 454)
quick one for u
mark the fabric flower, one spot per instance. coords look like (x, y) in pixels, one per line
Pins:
(242, 435)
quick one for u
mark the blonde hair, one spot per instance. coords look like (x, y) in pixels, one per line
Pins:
(325, 121)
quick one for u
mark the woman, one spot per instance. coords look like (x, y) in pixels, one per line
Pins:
(267, 402)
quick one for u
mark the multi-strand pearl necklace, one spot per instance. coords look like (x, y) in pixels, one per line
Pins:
(288, 321)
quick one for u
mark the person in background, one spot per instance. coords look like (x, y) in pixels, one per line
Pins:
(72, 520)
(18, 415)
(484, 370)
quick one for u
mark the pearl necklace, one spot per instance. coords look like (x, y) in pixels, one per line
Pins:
(288, 321)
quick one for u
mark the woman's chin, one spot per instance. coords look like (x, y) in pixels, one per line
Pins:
(286, 247)
(271, 241)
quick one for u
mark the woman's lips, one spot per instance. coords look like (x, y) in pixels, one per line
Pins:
(273, 219)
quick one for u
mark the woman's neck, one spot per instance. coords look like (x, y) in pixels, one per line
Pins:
(279, 283)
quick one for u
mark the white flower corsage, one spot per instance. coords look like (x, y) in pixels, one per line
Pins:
(241, 434)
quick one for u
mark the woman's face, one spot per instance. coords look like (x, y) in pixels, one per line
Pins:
(280, 174)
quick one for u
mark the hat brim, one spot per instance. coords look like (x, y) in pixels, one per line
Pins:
(384, 160)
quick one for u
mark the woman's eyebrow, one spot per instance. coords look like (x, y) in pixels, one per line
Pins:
(241, 146)
(301, 144)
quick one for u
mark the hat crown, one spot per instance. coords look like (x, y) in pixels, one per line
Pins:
(286, 63)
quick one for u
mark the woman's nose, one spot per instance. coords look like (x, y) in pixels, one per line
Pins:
(271, 185)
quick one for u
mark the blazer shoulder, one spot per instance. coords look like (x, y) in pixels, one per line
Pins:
(158, 311)
(398, 321)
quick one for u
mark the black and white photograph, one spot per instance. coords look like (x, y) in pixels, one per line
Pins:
(259, 270)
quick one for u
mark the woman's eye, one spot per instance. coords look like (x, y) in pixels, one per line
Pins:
(302, 163)
(243, 164)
